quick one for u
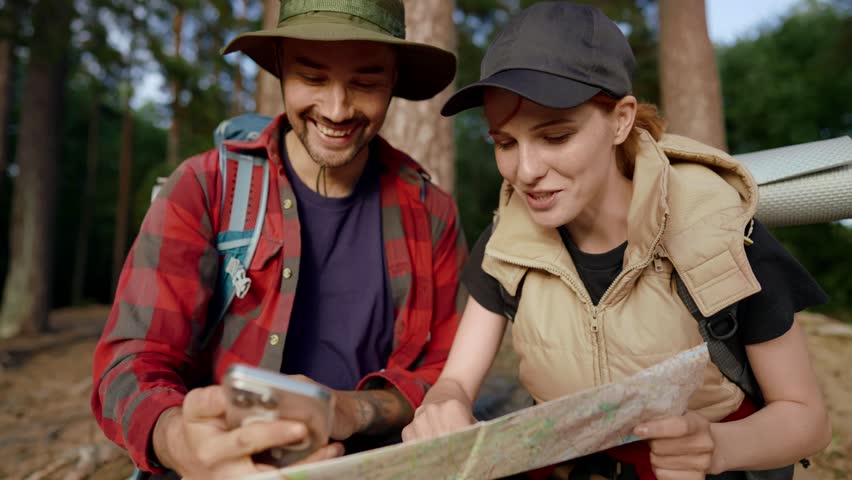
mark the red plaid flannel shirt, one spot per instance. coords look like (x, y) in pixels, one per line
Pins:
(149, 354)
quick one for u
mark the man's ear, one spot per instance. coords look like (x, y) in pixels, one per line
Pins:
(624, 115)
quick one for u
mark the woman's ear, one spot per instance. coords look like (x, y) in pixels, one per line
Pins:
(624, 114)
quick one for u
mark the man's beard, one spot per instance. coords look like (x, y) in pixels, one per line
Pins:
(335, 159)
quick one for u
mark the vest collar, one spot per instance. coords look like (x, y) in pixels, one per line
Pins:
(520, 242)
(690, 203)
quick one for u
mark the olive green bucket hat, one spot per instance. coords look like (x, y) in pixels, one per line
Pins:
(423, 70)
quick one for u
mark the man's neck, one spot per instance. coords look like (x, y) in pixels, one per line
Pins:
(335, 182)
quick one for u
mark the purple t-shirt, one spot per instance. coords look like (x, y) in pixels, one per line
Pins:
(341, 328)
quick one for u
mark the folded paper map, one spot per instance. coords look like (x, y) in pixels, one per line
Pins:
(552, 432)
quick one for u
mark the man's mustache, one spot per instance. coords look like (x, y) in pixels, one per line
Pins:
(357, 118)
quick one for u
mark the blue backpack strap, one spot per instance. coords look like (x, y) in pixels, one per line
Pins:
(237, 241)
(236, 244)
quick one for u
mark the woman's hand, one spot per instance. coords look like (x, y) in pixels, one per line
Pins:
(438, 418)
(682, 448)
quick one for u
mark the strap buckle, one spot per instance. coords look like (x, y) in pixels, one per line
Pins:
(715, 326)
(239, 280)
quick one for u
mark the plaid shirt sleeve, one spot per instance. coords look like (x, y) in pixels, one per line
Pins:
(448, 257)
(142, 363)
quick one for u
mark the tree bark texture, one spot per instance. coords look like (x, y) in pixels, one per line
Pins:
(26, 294)
(5, 84)
(87, 205)
(268, 90)
(8, 27)
(691, 89)
(173, 144)
(418, 128)
(237, 94)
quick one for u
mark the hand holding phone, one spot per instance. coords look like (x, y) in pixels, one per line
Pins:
(257, 395)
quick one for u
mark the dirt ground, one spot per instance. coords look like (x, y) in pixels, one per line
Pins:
(47, 431)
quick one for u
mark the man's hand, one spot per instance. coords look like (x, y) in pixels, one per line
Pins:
(195, 442)
(372, 412)
(682, 448)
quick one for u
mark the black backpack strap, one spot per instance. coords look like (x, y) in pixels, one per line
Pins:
(511, 302)
(728, 354)
(726, 350)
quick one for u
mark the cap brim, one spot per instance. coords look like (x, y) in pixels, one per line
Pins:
(424, 70)
(543, 88)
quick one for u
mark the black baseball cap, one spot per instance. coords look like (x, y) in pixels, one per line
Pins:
(556, 54)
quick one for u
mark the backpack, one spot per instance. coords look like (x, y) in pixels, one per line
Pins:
(235, 242)
(727, 352)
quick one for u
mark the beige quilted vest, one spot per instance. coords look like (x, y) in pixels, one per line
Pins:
(690, 206)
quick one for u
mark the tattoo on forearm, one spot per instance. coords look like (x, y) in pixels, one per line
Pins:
(383, 410)
(364, 410)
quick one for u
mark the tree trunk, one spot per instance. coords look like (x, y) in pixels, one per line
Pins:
(237, 94)
(5, 83)
(418, 128)
(122, 211)
(268, 90)
(87, 205)
(8, 27)
(691, 90)
(26, 294)
(173, 144)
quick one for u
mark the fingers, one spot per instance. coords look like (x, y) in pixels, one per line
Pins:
(204, 403)
(691, 445)
(695, 463)
(251, 438)
(412, 432)
(664, 474)
(681, 447)
(332, 450)
(302, 378)
(437, 419)
(672, 427)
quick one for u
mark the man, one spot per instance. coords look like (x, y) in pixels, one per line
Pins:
(373, 247)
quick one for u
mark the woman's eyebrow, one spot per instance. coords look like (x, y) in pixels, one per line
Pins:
(551, 123)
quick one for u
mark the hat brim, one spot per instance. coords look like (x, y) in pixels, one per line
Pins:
(552, 91)
(423, 70)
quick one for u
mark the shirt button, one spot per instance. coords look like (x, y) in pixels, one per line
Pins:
(274, 339)
(287, 273)
(288, 204)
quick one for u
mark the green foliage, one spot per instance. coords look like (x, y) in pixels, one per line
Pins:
(825, 250)
(793, 84)
(148, 152)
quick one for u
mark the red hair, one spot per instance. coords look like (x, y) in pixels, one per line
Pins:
(647, 118)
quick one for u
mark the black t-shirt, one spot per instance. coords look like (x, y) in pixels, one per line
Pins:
(786, 286)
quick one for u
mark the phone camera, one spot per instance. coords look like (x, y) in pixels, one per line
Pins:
(243, 399)
(268, 401)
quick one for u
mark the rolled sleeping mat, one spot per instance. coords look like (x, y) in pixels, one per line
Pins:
(803, 184)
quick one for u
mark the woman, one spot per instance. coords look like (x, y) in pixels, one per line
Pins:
(599, 209)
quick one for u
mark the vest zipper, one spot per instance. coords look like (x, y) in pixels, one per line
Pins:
(594, 326)
(596, 339)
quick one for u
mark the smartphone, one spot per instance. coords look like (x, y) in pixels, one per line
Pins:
(257, 395)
